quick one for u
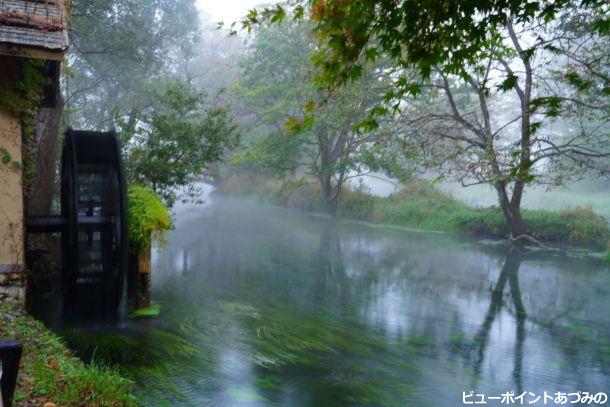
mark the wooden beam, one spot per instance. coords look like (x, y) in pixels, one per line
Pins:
(27, 52)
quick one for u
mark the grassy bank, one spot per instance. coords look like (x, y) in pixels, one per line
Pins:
(421, 205)
(51, 374)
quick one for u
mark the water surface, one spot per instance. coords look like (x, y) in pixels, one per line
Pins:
(262, 306)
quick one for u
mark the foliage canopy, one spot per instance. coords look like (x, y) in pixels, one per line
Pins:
(470, 53)
(168, 147)
(277, 90)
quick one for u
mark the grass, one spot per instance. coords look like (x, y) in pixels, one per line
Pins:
(595, 196)
(51, 373)
(421, 205)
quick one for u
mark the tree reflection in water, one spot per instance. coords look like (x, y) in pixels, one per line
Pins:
(329, 270)
(510, 274)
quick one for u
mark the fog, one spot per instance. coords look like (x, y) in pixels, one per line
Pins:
(352, 216)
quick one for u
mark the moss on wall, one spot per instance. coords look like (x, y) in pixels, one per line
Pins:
(148, 217)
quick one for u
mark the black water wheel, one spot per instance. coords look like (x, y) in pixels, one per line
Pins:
(94, 207)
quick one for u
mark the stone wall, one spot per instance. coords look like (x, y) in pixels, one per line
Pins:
(11, 283)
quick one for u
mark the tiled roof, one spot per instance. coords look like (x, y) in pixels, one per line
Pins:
(38, 24)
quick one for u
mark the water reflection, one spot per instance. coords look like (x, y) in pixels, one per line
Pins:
(262, 306)
(331, 282)
(510, 273)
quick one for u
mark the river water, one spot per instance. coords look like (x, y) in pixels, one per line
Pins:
(262, 306)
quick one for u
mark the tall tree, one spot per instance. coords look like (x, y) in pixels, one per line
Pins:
(452, 47)
(277, 90)
(583, 43)
(120, 49)
(501, 122)
(131, 69)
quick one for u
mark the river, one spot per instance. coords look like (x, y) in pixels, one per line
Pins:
(263, 306)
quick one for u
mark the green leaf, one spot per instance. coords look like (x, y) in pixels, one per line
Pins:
(371, 54)
(299, 11)
(509, 83)
(367, 125)
(279, 15)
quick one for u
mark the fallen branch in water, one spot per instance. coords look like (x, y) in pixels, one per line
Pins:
(526, 237)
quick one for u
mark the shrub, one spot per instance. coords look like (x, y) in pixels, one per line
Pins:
(480, 222)
(575, 226)
(420, 205)
(357, 204)
(423, 189)
(148, 217)
(300, 194)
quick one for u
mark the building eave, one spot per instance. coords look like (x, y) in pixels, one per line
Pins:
(34, 28)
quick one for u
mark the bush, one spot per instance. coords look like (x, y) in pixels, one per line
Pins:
(420, 205)
(575, 226)
(579, 226)
(480, 222)
(299, 194)
(148, 217)
(357, 204)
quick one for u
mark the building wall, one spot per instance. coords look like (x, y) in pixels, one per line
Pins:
(11, 193)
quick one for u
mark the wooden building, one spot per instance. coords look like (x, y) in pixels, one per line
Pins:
(29, 30)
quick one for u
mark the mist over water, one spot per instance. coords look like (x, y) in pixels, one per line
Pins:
(263, 306)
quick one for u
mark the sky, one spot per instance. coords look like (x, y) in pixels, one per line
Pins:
(226, 10)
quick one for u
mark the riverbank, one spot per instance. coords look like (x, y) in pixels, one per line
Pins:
(420, 205)
(50, 373)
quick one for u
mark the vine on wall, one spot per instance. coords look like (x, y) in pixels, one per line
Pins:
(22, 101)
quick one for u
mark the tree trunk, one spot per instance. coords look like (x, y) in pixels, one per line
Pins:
(512, 212)
(328, 195)
(47, 137)
(325, 174)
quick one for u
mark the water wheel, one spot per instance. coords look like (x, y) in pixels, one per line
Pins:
(93, 222)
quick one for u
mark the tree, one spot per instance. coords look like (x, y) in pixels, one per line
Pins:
(439, 48)
(408, 32)
(168, 146)
(583, 42)
(213, 67)
(277, 90)
(120, 49)
(130, 69)
(501, 122)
